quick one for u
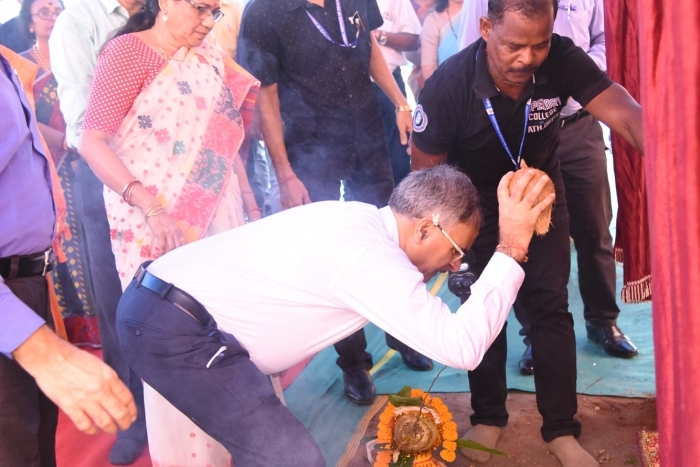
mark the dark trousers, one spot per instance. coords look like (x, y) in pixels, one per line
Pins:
(400, 160)
(28, 419)
(583, 164)
(545, 299)
(232, 400)
(107, 288)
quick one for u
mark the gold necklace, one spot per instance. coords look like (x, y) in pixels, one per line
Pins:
(35, 51)
(165, 56)
(449, 19)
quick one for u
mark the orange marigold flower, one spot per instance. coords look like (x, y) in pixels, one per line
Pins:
(386, 417)
(417, 392)
(381, 464)
(437, 402)
(450, 445)
(450, 435)
(448, 456)
(384, 456)
(446, 417)
(452, 426)
(385, 433)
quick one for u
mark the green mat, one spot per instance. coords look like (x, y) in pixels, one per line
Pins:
(316, 398)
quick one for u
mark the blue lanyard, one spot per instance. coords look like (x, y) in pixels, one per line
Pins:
(343, 32)
(494, 122)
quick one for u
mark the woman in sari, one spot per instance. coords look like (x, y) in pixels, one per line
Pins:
(438, 38)
(71, 278)
(164, 123)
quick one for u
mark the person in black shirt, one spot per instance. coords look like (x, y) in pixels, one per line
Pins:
(486, 108)
(322, 123)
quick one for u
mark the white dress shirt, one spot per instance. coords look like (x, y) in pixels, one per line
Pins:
(399, 16)
(294, 283)
(582, 21)
(76, 41)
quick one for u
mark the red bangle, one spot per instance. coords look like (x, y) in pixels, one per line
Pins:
(286, 179)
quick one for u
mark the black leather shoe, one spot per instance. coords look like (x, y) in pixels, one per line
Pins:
(612, 339)
(358, 386)
(412, 358)
(525, 363)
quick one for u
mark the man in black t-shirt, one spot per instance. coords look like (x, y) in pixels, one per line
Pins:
(322, 123)
(489, 106)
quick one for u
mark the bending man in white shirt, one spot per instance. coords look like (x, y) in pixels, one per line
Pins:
(207, 322)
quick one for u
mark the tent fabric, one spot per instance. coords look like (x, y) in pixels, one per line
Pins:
(632, 238)
(669, 37)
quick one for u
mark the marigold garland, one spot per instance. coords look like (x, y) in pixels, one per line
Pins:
(447, 429)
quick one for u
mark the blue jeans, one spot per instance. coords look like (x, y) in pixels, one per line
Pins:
(232, 400)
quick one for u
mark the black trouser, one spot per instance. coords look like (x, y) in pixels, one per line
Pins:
(28, 419)
(544, 296)
(106, 285)
(400, 161)
(231, 400)
(584, 170)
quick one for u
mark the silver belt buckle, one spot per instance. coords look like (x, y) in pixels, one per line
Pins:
(47, 260)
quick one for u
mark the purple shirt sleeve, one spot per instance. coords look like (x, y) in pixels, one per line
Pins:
(17, 321)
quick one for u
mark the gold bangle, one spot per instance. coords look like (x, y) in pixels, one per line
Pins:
(155, 207)
(403, 108)
(155, 213)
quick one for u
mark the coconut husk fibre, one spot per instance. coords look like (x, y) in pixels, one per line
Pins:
(545, 219)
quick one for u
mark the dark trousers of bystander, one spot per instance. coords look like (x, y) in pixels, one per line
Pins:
(583, 164)
(28, 419)
(400, 160)
(173, 352)
(545, 297)
(107, 289)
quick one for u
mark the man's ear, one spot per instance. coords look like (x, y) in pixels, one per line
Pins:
(421, 230)
(485, 27)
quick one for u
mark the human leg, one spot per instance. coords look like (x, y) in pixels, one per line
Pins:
(236, 405)
(107, 291)
(28, 419)
(584, 169)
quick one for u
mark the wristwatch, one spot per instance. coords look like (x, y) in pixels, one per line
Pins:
(382, 38)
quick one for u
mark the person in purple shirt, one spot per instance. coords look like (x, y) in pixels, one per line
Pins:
(38, 370)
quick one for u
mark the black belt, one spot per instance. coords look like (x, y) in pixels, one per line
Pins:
(572, 118)
(37, 264)
(172, 294)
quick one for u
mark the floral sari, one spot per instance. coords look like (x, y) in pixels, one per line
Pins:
(180, 139)
(71, 277)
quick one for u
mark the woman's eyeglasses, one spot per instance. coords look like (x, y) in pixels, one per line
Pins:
(204, 11)
(47, 14)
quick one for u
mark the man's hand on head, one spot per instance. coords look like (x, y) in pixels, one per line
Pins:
(518, 211)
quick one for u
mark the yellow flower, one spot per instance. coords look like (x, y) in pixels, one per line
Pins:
(448, 456)
(450, 445)
(449, 435)
(449, 426)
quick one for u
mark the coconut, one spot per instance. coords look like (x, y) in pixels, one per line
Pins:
(545, 219)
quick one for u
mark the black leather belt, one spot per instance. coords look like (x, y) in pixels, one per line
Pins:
(572, 118)
(172, 294)
(37, 264)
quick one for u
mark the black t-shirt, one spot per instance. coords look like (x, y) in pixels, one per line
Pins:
(325, 89)
(451, 117)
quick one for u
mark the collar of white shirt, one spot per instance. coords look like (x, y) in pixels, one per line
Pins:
(392, 227)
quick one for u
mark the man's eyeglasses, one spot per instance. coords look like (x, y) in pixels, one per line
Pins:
(458, 253)
(47, 14)
(204, 11)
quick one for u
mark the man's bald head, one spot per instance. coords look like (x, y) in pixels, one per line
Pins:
(528, 8)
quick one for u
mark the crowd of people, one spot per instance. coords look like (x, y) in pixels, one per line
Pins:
(143, 133)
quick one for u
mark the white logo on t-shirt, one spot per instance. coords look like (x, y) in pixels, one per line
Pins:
(420, 120)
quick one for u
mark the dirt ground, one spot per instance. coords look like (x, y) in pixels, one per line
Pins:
(610, 427)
